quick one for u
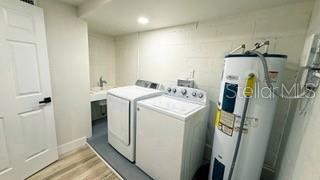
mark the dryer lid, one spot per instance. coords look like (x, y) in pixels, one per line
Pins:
(133, 92)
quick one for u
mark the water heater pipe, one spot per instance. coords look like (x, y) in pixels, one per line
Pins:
(266, 44)
(268, 81)
(242, 47)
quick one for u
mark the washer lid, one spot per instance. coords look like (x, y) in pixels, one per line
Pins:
(133, 92)
(171, 105)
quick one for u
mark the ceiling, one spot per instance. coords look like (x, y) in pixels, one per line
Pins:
(74, 2)
(116, 17)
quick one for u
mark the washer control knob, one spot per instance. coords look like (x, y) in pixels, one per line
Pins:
(174, 90)
(200, 95)
(194, 93)
(169, 89)
(183, 91)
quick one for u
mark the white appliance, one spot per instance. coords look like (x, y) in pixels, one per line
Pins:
(121, 106)
(258, 118)
(171, 133)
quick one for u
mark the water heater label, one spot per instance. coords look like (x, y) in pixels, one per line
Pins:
(218, 170)
(273, 76)
(232, 77)
(226, 122)
(229, 97)
(250, 122)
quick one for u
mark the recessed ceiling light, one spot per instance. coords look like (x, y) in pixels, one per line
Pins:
(143, 20)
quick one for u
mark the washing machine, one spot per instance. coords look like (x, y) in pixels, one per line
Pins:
(121, 107)
(170, 136)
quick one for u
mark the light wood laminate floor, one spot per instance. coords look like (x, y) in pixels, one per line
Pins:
(83, 164)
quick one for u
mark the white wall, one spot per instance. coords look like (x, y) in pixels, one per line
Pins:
(127, 49)
(314, 26)
(67, 39)
(102, 59)
(301, 159)
(166, 54)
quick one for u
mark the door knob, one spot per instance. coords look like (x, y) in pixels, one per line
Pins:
(46, 100)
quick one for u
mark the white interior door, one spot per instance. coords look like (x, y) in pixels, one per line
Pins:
(8, 142)
(27, 88)
(119, 118)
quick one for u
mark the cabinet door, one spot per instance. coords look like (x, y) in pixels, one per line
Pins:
(119, 118)
(25, 82)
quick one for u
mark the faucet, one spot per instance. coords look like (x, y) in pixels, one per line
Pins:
(101, 82)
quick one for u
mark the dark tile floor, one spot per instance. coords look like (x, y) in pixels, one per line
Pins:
(99, 142)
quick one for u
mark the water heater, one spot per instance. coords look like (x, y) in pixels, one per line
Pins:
(257, 121)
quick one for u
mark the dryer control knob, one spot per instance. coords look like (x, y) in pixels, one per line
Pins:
(174, 90)
(183, 91)
(169, 89)
(200, 95)
(194, 93)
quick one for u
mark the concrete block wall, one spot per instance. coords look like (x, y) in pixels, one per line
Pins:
(102, 59)
(301, 156)
(167, 54)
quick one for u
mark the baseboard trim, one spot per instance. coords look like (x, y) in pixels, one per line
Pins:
(72, 145)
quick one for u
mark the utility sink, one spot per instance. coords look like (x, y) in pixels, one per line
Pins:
(97, 94)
